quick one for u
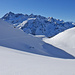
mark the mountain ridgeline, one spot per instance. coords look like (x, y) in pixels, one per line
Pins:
(37, 24)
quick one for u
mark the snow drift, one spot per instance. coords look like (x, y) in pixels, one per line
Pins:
(64, 40)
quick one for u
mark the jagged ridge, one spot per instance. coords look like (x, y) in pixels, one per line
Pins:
(37, 24)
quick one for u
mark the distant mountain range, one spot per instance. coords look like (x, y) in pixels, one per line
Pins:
(37, 24)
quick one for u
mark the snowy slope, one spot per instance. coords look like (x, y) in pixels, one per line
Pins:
(16, 58)
(64, 40)
(14, 62)
(16, 39)
(37, 24)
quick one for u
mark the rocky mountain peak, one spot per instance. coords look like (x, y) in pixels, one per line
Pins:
(37, 24)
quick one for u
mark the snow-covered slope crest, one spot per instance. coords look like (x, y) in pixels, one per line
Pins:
(14, 62)
(16, 39)
(64, 40)
(37, 24)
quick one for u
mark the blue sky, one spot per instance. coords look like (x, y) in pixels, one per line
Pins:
(60, 9)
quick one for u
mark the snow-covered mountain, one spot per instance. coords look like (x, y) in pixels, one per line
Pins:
(16, 39)
(64, 40)
(36, 24)
(17, 58)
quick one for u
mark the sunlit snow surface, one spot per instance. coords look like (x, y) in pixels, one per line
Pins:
(14, 62)
(15, 38)
(16, 56)
(64, 40)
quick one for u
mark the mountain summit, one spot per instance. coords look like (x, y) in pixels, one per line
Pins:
(37, 24)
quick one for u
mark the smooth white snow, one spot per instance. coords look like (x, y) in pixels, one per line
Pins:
(14, 62)
(64, 40)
